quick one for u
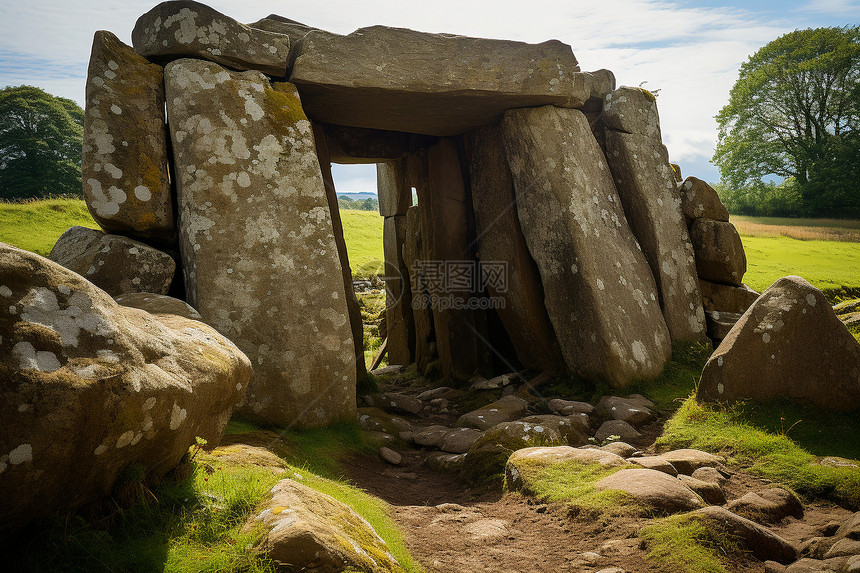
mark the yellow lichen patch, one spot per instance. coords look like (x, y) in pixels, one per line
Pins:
(278, 509)
(284, 105)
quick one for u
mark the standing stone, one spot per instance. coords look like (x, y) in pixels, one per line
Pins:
(124, 165)
(185, 29)
(501, 243)
(422, 315)
(598, 289)
(337, 227)
(726, 298)
(700, 201)
(260, 259)
(398, 293)
(719, 251)
(789, 344)
(647, 188)
(392, 187)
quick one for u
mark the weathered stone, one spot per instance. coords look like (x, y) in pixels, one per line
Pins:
(652, 488)
(771, 505)
(807, 565)
(505, 409)
(158, 304)
(422, 314)
(436, 84)
(847, 306)
(764, 544)
(496, 382)
(124, 166)
(720, 253)
(709, 491)
(501, 244)
(519, 463)
(645, 183)
(845, 547)
(632, 110)
(624, 409)
(598, 288)
(251, 197)
(311, 531)
(655, 463)
(623, 430)
(431, 436)
(114, 263)
(726, 298)
(459, 440)
(398, 293)
(676, 173)
(569, 407)
(398, 403)
(446, 461)
(390, 456)
(281, 25)
(89, 386)
(392, 188)
(378, 420)
(720, 323)
(789, 344)
(622, 449)
(710, 474)
(186, 29)
(358, 145)
(572, 430)
(600, 83)
(688, 460)
(700, 201)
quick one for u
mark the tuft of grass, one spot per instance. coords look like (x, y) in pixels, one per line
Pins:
(678, 378)
(773, 456)
(688, 544)
(36, 225)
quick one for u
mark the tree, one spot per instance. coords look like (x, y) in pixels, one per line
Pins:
(794, 113)
(40, 144)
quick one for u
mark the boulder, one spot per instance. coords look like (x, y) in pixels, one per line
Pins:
(771, 505)
(358, 145)
(459, 440)
(116, 264)
(726, 298)
(158, 304)
(762, 543)
(700, 201)
(655, 463)
(652, 488)
(806, 565)
(687, 460)
(505, 409)
(397, 403)
(709, 491)
(521, 461)
(281, 25)
(496, 382)
(645, 182)
(622, 449)
(719, 251)
(789, 344)
(598, 289)
(569, 407)
(252, 197)
(624, 409)
(88, 387)
(312, 531)
(185, 29)
(124, 161)
(377, 420)
(430, 436)
(390, 456)
(720, 323)
(710, 474)
(501, 243)
(620, 428)
(632, 110)
(435, 84)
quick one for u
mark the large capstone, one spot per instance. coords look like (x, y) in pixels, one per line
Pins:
(124, 165)
(598, 289)
(88, 387)
(260, 260)
(436, 84)
(186, 29)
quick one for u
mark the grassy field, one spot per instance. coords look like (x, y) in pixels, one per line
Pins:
(363, 233)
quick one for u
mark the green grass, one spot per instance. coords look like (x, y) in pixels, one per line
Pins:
(362, 231)
(687, 544)
(36, 225)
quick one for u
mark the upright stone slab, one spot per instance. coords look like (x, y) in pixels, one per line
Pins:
(435, 84)
(392, 188)
(700, 201)
(719, 251)
(398, 293)
(186, 29)
(501, 243)
(598, 288)
(422, 315)
(652, 203)
(260, 259)
(124, 165)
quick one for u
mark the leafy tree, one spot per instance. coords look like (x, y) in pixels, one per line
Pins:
(794, 112)
(40, 144)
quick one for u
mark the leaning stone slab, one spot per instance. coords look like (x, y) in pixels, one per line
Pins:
(719, 251)
(435, 84)
(259, 255)
(653, 488)
(116, 264)
(124, 167)
(311, 531)
(700, 201)
(185, 29)
(89, 386)
(598, 289)
(392, 188)
(400, 323)
(789, 344)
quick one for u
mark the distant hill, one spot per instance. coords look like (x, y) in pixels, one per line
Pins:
(357, 196)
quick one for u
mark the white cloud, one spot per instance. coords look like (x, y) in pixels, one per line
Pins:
(840, 8)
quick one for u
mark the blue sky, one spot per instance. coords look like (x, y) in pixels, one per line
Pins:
(688, 49)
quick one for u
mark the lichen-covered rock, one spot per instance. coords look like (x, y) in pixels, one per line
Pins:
(186, 29)
(435, 84)
(632, 110)
(654, 489)
(719, 251)
(761, 542)
(377, 420)
(505, 409)
(124, 167)
(459, 440)
(720, 323)
(789, 344)
(726, 298)
(522, 463)
(709, 491)
(158, 304)
(88, 387)
(619, 428)
(311, 531)
(767, 506)
(700, 201)
(631, 411)
(569, 407)
(115, 264)
(688, 460)
(598, 289)
(282, 25)
(259, 255)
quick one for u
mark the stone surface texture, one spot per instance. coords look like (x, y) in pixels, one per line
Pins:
(598, 289)
(392, 188)
(158, 304)
(422, 314)
(719, 251)
(88, 386)
(399, 320)
(700, 201)
(789, 344)
(252, 197)
(124, 166)
(726, 298)
(653, 488)
(185, 29)
(115, 264)
(761, 542)
(523, 462)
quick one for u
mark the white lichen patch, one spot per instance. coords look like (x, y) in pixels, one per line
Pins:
(177, 416)
(5, 291)
(21, 454)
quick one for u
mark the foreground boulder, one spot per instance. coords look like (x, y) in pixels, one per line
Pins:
(654, 489)
(311, 531)
(526, 462)
(116, 264)
(88, 387)
(761, 542)
(789, 344)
